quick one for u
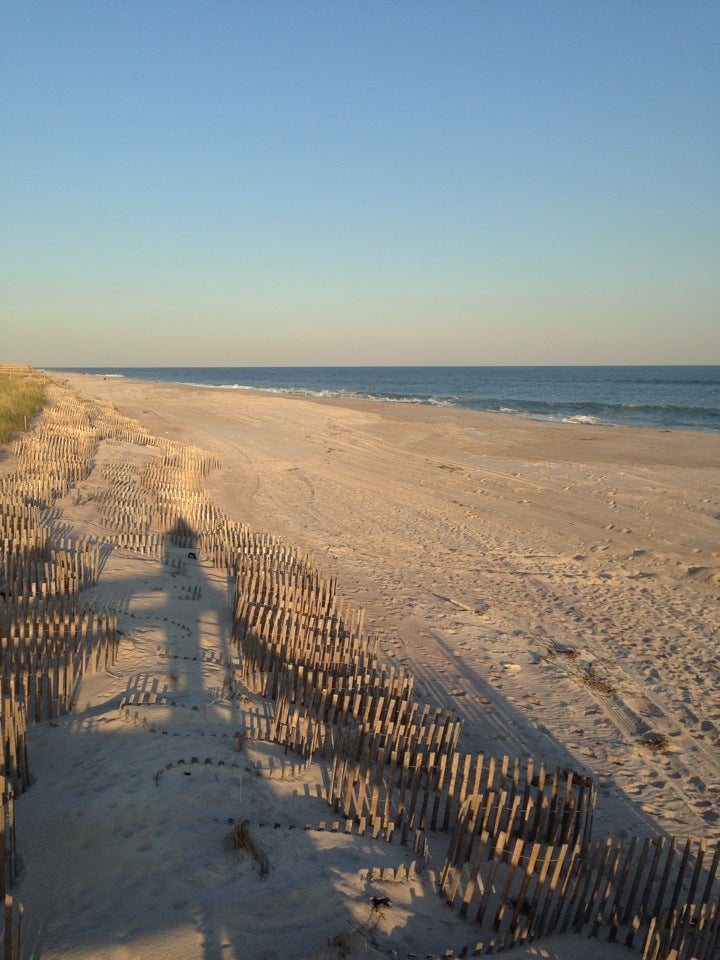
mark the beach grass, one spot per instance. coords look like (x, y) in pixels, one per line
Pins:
(241, 839)
(21, 396)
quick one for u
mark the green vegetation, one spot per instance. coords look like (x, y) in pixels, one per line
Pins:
(21, 396)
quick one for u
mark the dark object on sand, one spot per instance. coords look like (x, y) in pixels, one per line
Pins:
(379, 902)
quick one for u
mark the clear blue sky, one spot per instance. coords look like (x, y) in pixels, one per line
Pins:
(406, 181)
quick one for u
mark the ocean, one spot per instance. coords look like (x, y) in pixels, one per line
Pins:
(666, 397)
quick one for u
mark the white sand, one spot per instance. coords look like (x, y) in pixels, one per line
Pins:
(505, 562)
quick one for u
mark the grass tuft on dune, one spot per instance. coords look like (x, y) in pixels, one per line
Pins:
(21, 396)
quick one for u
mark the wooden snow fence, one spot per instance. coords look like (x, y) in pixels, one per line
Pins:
(57, 450)
(76, 564)
(111, 425)
(186, 459)
(357, 695)
(18, 370)
(354, 692)
(301, 615)
(658, 893)
(360, 722)
(126, 511)
(47, 640)
(45, 651)
(266, 664)
(13, 928)
(181, 508)
(304, 648)
(13, 730)
(130, 512)
(186, 517)
(293, 641)
(56, 454)
(429, 786)
(65, 567)
(37, 489)
(271, 583)
(224, 545)
(507, 797)
(291, 616)
(267, 553)
(146, 544)
(23, 533)
(8, 851)
(14, 777)
(324, 687)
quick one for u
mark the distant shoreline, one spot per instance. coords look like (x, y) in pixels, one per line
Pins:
(662, 397)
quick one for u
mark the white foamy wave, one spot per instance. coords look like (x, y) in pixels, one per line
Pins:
(381, 398)
(581, 418)
(236, 386)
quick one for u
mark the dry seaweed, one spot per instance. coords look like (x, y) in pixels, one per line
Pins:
(241, 840)
(656, 742)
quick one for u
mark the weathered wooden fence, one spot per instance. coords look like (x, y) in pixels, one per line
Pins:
(12, 931)
(442, 790)
(656, 894)
(353, 693)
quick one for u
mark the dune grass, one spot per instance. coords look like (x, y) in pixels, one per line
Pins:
(20, 399)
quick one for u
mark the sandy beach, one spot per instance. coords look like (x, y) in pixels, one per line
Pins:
(553, 586)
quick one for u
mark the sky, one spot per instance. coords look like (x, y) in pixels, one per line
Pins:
(369, 182)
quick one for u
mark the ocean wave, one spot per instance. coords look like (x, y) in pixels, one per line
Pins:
(582, 418)
(588, 412)
(559, 417)
(330, 394)
(595, 407)
(645, 397)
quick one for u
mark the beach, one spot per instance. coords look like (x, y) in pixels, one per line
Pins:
(554, 587)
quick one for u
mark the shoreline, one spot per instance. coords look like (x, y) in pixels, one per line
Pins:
(401, 409)
(427, 393)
